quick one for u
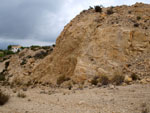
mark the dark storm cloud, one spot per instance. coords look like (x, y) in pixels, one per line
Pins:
(19, 19)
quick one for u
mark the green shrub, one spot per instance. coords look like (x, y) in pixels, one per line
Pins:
(110, 11)
(35, 47)
(1, 54)
(22, 48)
(117, 78)
(98, 9)
(46, 47)
(9, 47)
(3, 98)
(7, 52)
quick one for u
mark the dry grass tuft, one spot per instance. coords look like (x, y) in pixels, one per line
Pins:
(3, 98)
(117, 78)
(21, 95)
(62, 79)
(104, 80)
(95, 80)
(98, 9)
(134, 76)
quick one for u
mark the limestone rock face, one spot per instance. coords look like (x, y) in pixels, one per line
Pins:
(18, 67)
(94, 43)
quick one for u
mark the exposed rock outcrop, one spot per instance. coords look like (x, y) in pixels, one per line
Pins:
(94, 43)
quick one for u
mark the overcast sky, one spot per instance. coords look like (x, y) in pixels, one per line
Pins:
(39, 22)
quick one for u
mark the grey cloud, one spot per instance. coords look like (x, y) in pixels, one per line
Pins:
(28, 22)
(3, 45)
(20, 19)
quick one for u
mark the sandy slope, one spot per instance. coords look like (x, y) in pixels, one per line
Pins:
(121, 99)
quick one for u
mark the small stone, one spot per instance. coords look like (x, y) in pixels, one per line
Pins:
(127, 79)
(112, 87)
(81, 102)
(42, 92)
(148, 79)
(143, 81)
(124, 84)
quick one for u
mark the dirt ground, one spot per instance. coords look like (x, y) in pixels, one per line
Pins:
(120, 99)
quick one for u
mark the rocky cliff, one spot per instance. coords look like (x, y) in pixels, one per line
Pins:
(94, 43)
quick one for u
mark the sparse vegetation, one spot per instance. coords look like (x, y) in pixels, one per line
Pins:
(24, 61)
(5, 53)
(117, 78)
(145, 110)
(2, 74)
(62, 79)
(79, 74)
(80, 87)
(134, 76)
(95, 80)
(69, 86)
(90, 8)
(104, 80)
(9, 47)
(110, 11)
(21, 95)
(35, 47)
(1, 53)
(53, 45)
(3, 98)
(129, 12)
(136, 25)
(138, 17)
(2, 77)
(6, 65)
(46, 47)
(98, 8)
(40, 55)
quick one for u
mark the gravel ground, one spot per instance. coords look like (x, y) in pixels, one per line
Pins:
(120, 99)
